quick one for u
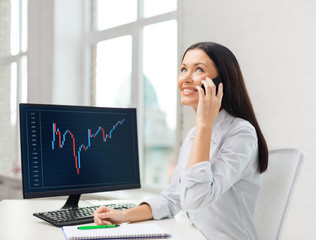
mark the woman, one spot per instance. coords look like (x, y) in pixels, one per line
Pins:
(216, 181)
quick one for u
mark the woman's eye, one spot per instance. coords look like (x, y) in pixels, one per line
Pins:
(199, 70)
(183, 70)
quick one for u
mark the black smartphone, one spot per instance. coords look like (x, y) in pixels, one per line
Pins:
(216, 81)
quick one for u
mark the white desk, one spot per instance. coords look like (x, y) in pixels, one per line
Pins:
(17, 221)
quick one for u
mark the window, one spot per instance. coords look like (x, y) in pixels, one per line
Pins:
(13, 77)
(113, 71)
(134, 64)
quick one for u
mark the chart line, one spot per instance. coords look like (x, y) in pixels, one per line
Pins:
(62, 139)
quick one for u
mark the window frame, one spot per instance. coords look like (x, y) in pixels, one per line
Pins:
(20, 93)
(135, 29)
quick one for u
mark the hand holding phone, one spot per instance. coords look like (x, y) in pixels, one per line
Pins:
(216, 81)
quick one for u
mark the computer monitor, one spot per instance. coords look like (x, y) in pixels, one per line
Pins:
(71, 150)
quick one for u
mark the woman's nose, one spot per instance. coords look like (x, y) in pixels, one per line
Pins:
(188, 78)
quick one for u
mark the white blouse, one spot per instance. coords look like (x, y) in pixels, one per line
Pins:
(219, 195)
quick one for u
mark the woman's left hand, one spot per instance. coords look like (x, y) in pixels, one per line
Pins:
(209, 103)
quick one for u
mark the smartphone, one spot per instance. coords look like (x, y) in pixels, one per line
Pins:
(216, 81)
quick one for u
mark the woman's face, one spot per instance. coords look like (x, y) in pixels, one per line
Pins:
(195, 67)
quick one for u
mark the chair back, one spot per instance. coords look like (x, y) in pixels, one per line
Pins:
(277, 185)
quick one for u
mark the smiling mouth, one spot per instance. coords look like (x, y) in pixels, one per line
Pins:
(188, 91)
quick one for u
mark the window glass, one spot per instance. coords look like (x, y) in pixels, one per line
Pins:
(113, 72)
(160, 91)
(24, 79)
(154, 7)
(15, 27)
(109, 13)
(24, 17)
(13, 93)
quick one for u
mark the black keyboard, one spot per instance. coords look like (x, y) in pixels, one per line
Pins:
(75, 216)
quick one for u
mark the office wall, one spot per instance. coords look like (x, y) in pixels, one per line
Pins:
(40, 51)
(274, 42)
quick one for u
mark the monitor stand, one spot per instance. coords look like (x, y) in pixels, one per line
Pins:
(72, 201)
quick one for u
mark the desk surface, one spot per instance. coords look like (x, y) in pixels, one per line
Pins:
(17, 221)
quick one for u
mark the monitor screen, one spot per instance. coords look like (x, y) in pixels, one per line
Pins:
(70, 150)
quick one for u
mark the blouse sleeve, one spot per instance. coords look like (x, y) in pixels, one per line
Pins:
(167, 204)
(207, 181)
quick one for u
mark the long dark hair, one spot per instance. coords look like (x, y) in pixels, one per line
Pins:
(236, 100)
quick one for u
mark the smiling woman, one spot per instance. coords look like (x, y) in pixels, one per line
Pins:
(216, 180)
(195, 67)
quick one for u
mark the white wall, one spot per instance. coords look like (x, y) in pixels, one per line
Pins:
(40, 51)
(274, 42)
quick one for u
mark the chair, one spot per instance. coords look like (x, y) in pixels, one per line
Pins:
(277, 185)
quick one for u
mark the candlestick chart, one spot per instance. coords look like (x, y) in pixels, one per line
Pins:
(61, 138)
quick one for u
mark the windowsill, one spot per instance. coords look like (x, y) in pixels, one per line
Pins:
(11, 179)
(14, 173)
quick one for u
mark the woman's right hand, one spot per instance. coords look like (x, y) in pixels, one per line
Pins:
(209, 103)
(106, 216)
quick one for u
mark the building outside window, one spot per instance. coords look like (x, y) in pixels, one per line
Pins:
(134, 64)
